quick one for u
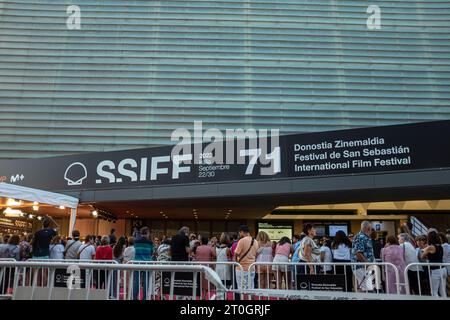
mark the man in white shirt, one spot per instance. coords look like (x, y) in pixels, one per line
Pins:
(87, 250)
(410, 256)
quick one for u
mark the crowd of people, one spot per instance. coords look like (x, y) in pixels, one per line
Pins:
(277, 261)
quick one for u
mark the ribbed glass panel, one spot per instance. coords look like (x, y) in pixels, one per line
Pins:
(139, 69)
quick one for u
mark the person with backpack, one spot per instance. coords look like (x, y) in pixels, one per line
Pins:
(10, 250)
(56, 249)
(87, 250)
(72, 246)
(4, 242)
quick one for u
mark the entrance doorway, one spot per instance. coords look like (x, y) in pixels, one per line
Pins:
(208, 228)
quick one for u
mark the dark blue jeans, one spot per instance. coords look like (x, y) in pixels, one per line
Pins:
(139, 277)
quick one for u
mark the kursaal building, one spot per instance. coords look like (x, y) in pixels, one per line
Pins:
(91, 93)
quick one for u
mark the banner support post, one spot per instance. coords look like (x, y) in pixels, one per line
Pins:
(73, 218)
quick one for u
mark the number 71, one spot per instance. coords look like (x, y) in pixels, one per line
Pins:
(273, 158)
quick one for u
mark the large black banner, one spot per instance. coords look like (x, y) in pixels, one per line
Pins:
(418, 146)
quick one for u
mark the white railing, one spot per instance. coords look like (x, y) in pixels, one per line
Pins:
(380, 277)
(72, 260)
(427, 279)
(153, 280)
(418, 227)
(226, 270)
(272, 294)
(5, 275)
(46, 280)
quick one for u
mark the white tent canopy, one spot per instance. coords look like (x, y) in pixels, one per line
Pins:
(29, 194)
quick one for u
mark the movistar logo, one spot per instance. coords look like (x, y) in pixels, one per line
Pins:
(17, 177)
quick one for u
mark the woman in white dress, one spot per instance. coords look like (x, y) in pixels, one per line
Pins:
(264, 255)
(223, 254)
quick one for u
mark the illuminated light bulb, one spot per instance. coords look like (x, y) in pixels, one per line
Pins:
(12, 212)
(11, 202)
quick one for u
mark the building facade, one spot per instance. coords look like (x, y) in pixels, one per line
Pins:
(93, 76)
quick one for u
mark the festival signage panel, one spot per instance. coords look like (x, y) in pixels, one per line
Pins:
(418, 146)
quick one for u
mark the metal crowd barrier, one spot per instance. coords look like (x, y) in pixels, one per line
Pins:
(5, 278)
(428, 279)
(153, 280)
(273, 294)
(376, 277)
(72, 260)
(97, 277)
(225, 270)
(46, 280)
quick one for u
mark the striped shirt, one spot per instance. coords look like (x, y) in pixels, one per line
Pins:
(143, 249)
